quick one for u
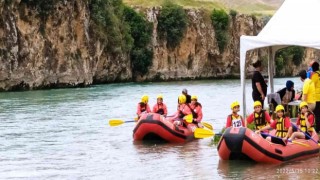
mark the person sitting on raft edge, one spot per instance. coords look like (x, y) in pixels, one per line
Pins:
(196, 108)
(259, 116)
(143, 106)
(184, 115)
(287, 94)
(160, 107)
(282, 124)
(305, 122)
(234, 119)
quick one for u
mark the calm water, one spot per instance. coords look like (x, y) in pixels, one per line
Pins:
(64, 134)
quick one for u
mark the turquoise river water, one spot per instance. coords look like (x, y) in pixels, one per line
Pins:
(64, 134)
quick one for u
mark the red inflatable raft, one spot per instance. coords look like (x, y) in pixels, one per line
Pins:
(243, 143)
(153, 126)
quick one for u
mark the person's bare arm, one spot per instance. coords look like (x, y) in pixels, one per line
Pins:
(304, 97)
(260, 90)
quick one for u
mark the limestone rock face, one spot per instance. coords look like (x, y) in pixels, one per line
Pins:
(198, 55)
(62, 52)
(65, 51)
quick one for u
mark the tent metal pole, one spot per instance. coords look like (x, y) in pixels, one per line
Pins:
(243, 80)
(271, 68)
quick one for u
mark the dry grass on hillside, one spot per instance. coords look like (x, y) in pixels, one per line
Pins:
(243, 6)
(185, 3)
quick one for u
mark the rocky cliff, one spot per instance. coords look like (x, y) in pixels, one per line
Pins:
(64, 50)
(198, 55)
(60, 52)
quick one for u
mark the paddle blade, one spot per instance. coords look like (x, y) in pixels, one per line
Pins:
(203, 133)
(115, 122)
(188, 118)
(207, 125)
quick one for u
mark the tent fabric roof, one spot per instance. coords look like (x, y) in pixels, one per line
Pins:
(295, 23)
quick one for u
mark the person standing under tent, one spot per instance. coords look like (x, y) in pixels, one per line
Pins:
(259, 86)
(315, 77)
(308, 90)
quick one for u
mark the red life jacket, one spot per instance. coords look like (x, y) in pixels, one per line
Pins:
(143, 106)
(160, 109)
(194, 114)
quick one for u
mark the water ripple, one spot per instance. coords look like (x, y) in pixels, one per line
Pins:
(64, 134)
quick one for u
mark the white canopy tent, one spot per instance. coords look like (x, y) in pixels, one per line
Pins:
(295, 23)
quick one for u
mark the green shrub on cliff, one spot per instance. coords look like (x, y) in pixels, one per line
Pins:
(279, 64)
(141, 59)
(172, 23)
(298, 53)
(123, 30)
(233, 13)
(141, 31)
(291, 53)
(107, 16)
(220, 21)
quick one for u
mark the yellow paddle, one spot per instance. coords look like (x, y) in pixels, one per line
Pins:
(118, 122)
(207, 125)
(300, 143)
(306, 134)
(203, 133)
(280, 141)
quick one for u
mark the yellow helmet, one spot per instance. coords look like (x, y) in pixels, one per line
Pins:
(160, 96)
(257, 103)
(303, 104)
(188, 118)
(194, 97)
(234, 104)
(279, 108)
(182, 99)
(145, 99)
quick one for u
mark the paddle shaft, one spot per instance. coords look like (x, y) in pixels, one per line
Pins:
(266, 134)
(129, 121)
(304, 133)
(207, 125)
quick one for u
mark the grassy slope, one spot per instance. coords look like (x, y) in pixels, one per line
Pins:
(243, 6)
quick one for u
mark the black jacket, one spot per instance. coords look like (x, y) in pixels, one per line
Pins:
(282, 92)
